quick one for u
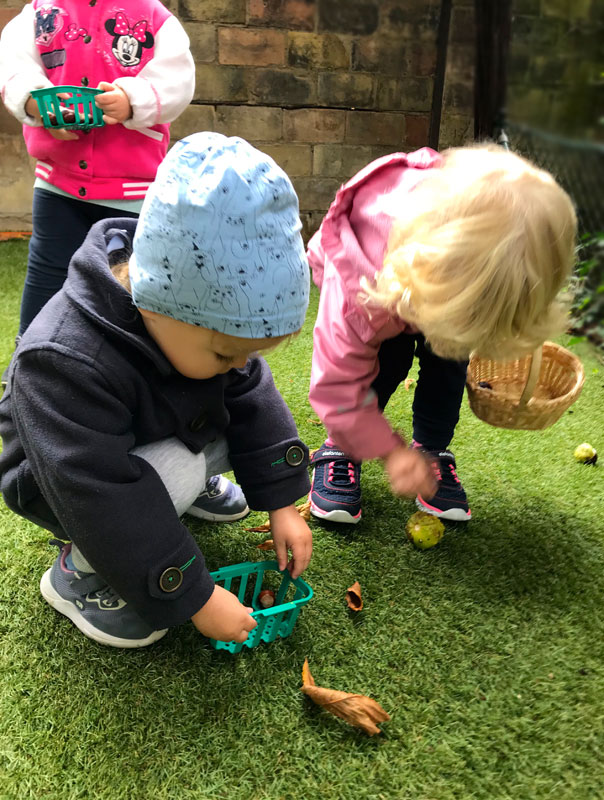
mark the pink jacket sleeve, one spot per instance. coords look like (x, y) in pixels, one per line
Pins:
(348, 246)
(345, 364)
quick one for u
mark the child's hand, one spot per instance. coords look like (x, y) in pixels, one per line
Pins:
(32, 110)
(290, 532)
(114, 103)
(409, 472)
(223, 617)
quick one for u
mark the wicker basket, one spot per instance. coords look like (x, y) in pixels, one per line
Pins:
(530, 393)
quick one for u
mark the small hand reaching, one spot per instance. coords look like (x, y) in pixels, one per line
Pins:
(223, 617)
(291, 533)
(114, 103)
(32, 110)
(409, 472)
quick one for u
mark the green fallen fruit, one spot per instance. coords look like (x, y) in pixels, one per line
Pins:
(424, 530)
(586, 454)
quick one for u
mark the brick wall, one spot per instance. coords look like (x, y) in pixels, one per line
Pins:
(16, 170)
(457, 120)
(324, 86)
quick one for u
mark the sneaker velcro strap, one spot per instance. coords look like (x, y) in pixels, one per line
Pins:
(330, 454)
(91, 583)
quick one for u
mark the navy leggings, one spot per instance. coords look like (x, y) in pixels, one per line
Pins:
(439, 389)
(60, 225)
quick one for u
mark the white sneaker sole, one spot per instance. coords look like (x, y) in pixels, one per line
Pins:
(453, 514)
(70, 611)
(197, 512)
(338, 515)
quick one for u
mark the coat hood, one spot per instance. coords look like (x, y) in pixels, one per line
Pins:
(355, 231)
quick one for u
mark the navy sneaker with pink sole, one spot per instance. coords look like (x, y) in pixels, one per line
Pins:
(335, 493)
(450, 501)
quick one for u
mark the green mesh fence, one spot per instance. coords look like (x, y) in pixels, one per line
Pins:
(577, 165)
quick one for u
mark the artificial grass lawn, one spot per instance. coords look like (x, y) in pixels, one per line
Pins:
(487, 650)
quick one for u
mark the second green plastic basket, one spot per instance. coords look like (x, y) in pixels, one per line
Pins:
(81, 102)
(246, 581)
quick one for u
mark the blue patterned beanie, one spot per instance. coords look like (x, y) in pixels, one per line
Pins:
(218, 242)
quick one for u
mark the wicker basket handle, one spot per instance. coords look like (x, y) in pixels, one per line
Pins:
(533, 377)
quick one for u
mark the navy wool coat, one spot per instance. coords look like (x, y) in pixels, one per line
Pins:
(86, 385)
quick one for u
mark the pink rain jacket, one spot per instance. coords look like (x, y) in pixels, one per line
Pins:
(350, 243)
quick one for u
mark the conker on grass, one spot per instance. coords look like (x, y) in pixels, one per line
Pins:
(586, 454)
(424, 530)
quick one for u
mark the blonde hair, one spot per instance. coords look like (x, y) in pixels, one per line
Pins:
(479, 254)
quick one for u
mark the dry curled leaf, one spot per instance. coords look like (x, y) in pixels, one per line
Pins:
(268, 545)
(303, 510)
(355, 709)
(260, 528)
(409, 383)
(354, 598)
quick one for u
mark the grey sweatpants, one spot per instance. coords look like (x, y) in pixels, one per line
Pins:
(184, 474)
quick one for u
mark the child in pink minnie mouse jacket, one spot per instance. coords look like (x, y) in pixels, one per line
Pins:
(138, 53)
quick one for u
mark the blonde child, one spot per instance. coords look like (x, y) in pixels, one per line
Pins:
(437, 256)
(136, 382)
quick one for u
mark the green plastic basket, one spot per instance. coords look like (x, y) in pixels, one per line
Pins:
(246, 581)
(81, 102)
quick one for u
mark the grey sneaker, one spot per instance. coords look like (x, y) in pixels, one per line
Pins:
(93, 606)
(220, 501)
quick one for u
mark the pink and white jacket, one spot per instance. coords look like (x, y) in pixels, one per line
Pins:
(351, 243)
(138, 45)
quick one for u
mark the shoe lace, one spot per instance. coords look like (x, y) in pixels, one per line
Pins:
(341, 473)
(107, 595)
(444, 472)
(443, 469)
(212, 488)
(436, 471)
(92, 584)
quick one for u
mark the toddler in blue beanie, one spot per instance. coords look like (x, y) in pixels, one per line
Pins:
(218, 244)
(141, 379)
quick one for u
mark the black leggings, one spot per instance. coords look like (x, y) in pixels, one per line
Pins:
(60, 225)
(439, 389)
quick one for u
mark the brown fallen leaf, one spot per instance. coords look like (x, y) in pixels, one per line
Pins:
(409, 383)
(315, 421)
(354, 598)
(268, 545)
(303, 510)
(355, 709)
(265, 528)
